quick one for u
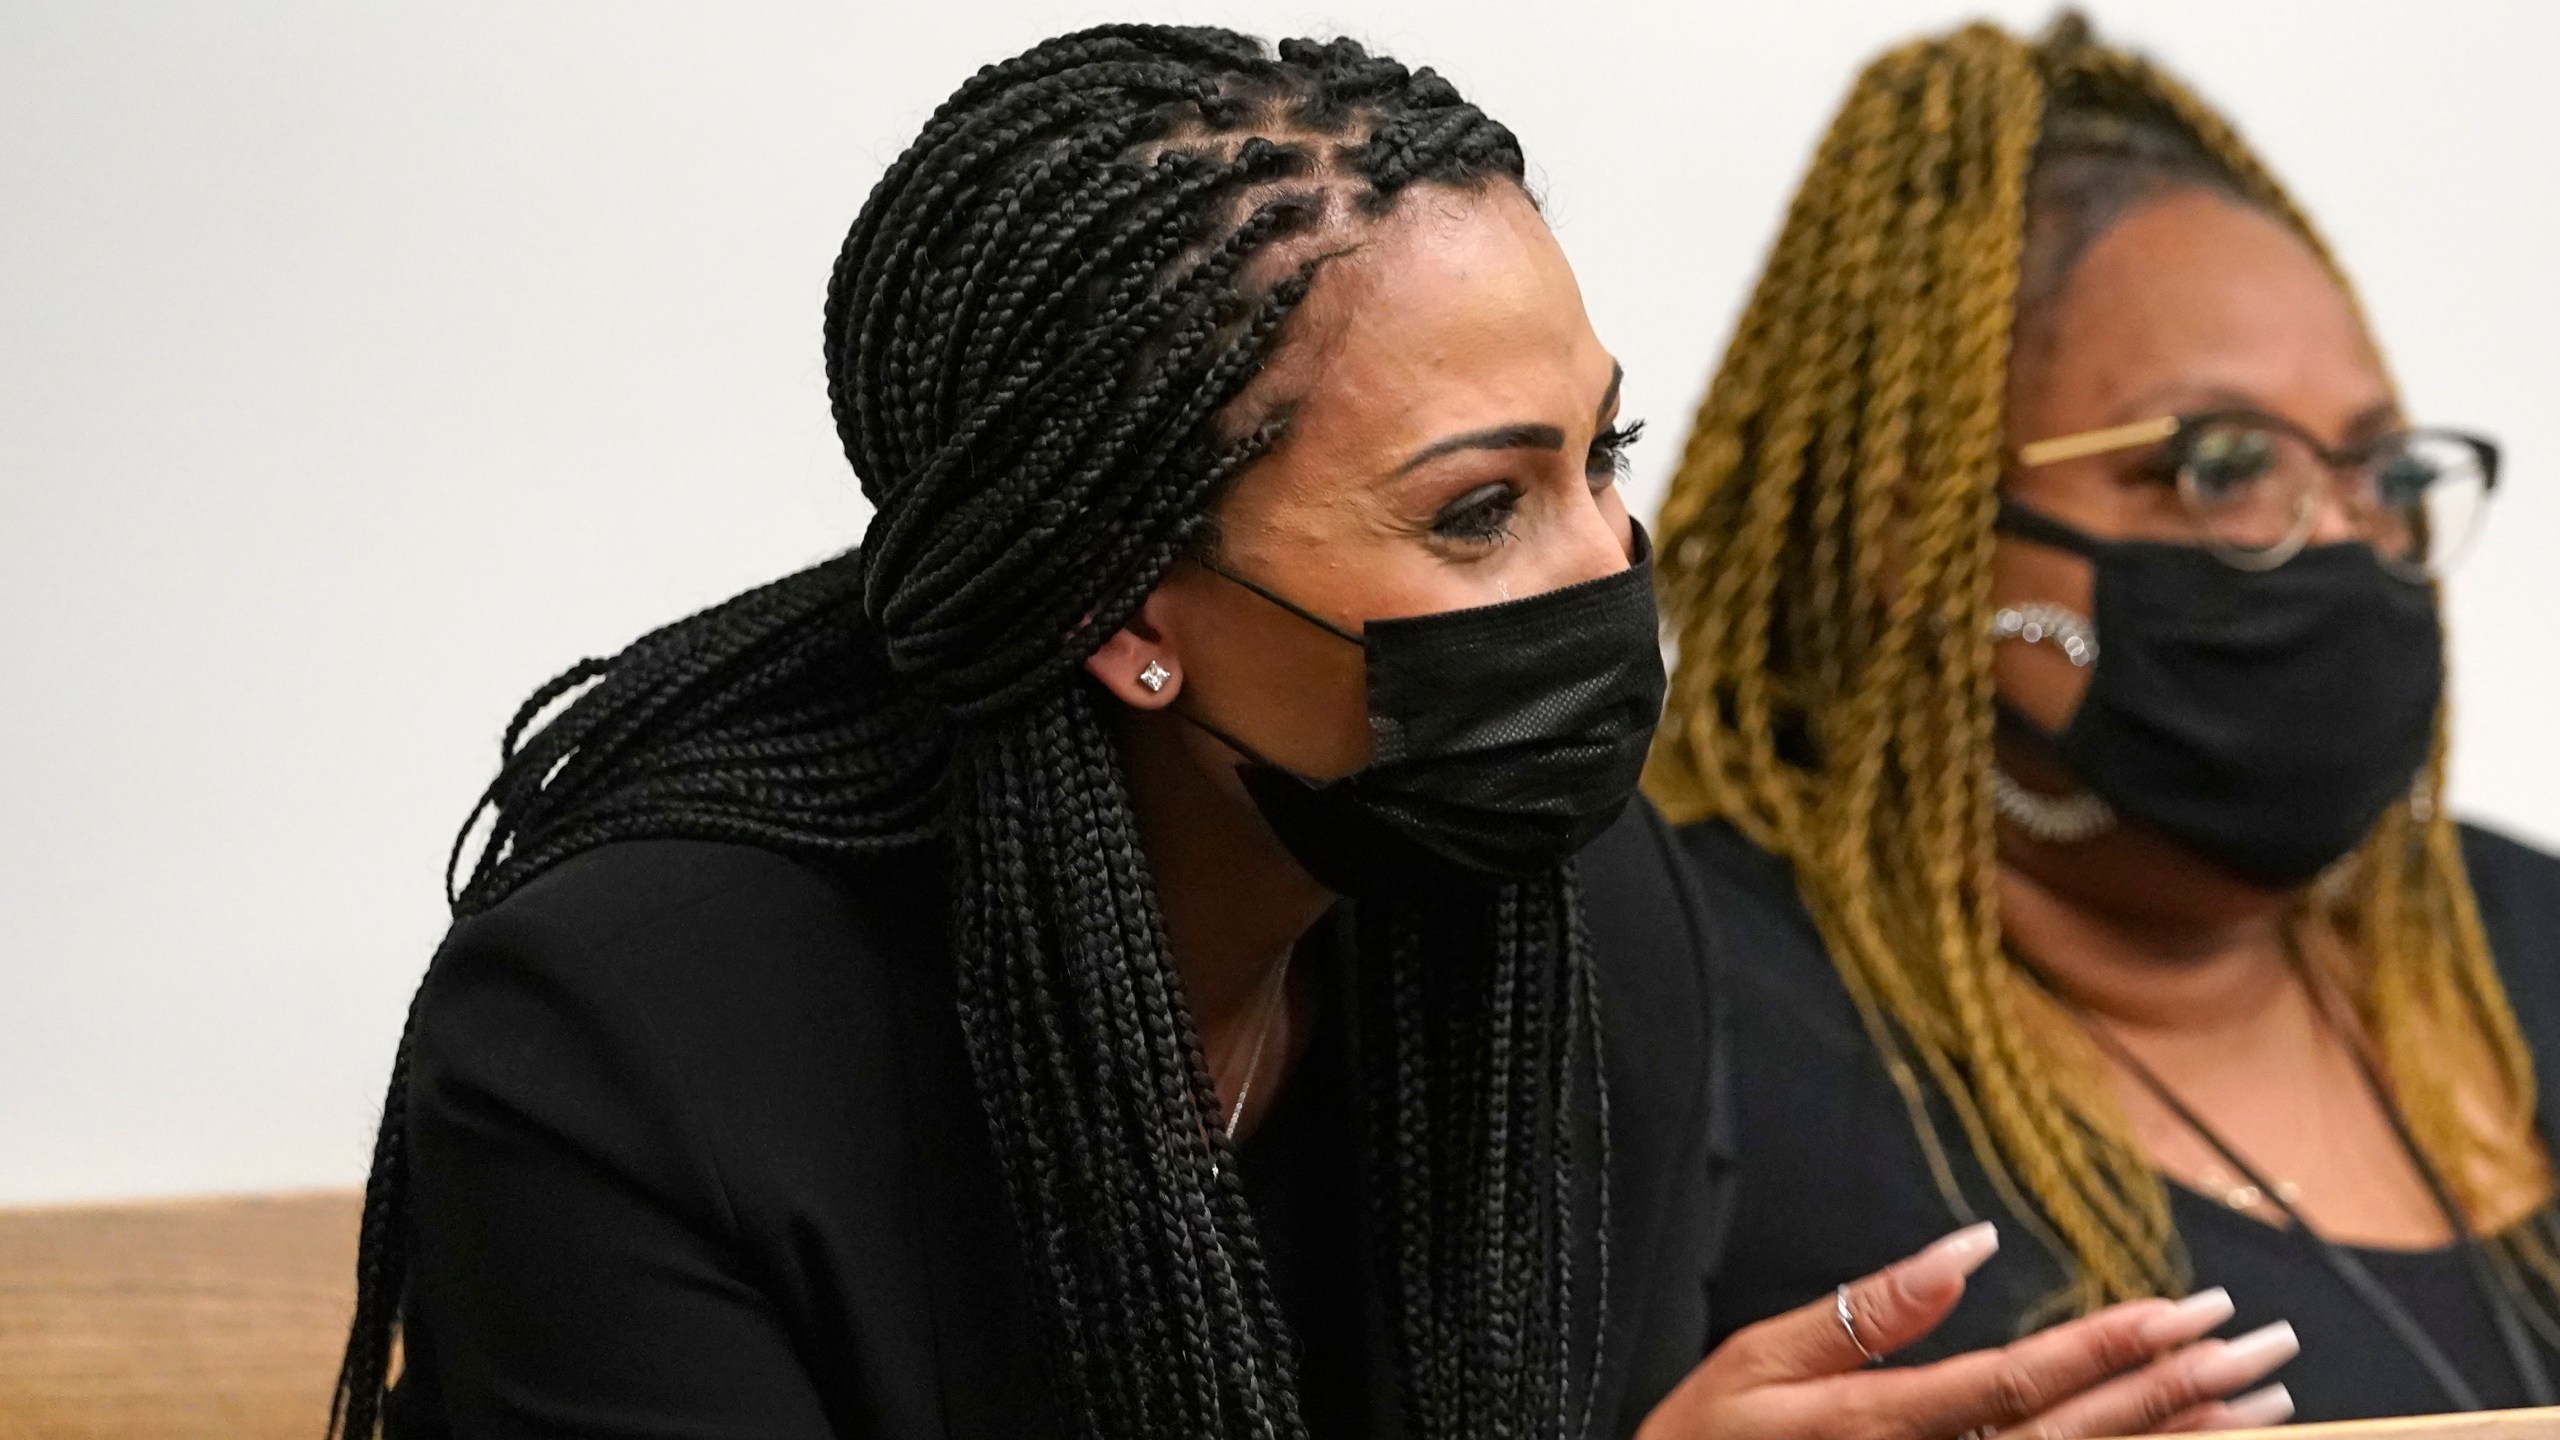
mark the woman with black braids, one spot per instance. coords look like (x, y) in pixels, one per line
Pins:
(858, 1009)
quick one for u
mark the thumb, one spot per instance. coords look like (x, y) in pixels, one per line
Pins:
(1868, 1318)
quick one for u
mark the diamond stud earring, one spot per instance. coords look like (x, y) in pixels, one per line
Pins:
(1154, 676)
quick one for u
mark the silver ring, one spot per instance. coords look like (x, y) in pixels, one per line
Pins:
(1849, 1324)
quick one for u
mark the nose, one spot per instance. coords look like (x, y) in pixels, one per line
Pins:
(2333, 519)
(1602, 539)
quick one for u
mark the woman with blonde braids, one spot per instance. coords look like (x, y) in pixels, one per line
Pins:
(2056, 733)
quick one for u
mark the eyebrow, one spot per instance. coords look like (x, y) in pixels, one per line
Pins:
(1508, 437)
(2382, 418)
(2377, 416)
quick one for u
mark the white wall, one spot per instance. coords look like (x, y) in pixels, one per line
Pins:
(362, 365)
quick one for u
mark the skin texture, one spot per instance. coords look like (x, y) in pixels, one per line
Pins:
(1455, 331)
(2190, 302)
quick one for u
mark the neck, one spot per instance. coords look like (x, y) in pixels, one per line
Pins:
(1235, 903)
(2192, 973)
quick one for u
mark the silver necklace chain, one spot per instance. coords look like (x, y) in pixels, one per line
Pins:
(2053, 819)
(1271, 1008)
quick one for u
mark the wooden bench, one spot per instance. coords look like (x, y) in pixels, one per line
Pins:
(173, 1320)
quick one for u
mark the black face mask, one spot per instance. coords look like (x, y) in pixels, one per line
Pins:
(1505, 738)
(2264, 720)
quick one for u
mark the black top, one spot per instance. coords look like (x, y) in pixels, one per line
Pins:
(696, 1153)
(1832, 1182)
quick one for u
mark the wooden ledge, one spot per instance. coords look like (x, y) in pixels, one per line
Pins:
(225, 1317)
(175, 1318)
(2488, 1425)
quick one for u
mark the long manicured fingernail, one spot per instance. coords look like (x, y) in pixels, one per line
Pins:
(2188, 1318)
(2234, 1363)
(2271, 1406)
(1964, 1251)
(1938, 1271)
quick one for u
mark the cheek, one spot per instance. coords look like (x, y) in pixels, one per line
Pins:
(2039, 679)
(1308, 709)
(1275, 682)
(2091, 496)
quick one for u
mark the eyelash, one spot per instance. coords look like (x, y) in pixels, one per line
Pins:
(1611, 445)
(1483, 515)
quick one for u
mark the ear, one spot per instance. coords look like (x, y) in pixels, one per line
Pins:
(1136, 664)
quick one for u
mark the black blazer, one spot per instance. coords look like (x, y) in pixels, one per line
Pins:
(696, 1153)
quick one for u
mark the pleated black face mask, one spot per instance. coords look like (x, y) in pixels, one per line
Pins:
(1504, 738)
(2264, 720)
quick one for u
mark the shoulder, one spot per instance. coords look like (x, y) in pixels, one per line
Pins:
(1703, 885)
(1781, 968)
(2517, 888)
(1661, 998)
(1816, 1112)
(1669, 1117)
(1745, 884)
(652, 1002)
(1660, 963)
(621, 918)
(1633, 894)
(1651, 955)
(623, 894)
(686, 942)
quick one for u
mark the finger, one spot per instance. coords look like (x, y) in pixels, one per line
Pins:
(2272, 1405)
(1884, 1312)
(2172, 1386)
(2019, 1382)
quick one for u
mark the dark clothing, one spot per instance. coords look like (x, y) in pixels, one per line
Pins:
(697, 1153)
(1832, 1182)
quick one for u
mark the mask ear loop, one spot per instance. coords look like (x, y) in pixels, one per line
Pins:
(2051, 819)
(1251, 755)
(1186, 712)
(1293, 607)
(2043, 529)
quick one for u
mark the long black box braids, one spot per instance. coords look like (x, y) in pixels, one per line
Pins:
(1034, 336)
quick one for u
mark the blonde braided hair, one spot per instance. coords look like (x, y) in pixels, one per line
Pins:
(1825, 562)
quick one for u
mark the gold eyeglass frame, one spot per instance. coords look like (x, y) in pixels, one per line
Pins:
(2161, 428)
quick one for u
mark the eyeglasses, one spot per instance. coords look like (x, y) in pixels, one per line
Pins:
(2253, 482)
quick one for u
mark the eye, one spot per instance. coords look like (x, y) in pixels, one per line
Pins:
(1482, 516)
(2227, 458)
(2402, 477)
(1608, 461)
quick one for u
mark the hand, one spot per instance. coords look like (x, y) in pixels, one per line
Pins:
(2129, 1369)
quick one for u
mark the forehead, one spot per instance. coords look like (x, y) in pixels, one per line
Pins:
(2192, 289)
(1456, 310)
